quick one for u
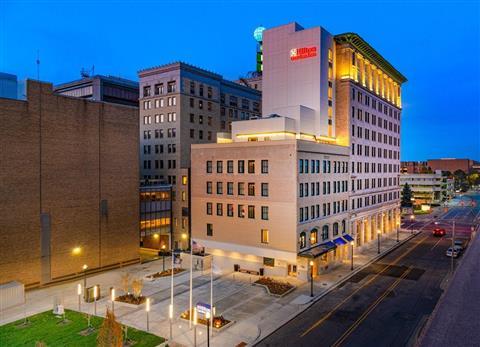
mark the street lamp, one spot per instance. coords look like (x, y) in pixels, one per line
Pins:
(207, 317)
(311, 278)
(163, 256)
(412, 218)
(147, 309)
(351, 255)
(378, 239)
(95, 293)
(85, 267)
(79, 293)
(195, 322)
(398, 231)
(112, 297)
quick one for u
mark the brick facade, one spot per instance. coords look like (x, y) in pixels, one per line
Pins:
(69, 178)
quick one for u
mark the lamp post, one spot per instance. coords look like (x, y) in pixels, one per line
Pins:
(85, 267)
(95, 293)
(378, 239)
(195, 321)
(412, 218)
(398, 231)
(147, 309)
(163, 256)
(79, 293)
(351, 255)
(207, 316)
(311, 278)
(170, 317)
(112, 297)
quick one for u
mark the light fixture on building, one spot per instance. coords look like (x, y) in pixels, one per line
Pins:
(184, 236)
(77, 250)
(156, 236)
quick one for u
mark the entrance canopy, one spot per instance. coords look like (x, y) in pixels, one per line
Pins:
(339, 241)
(347, 237)
(318, 250)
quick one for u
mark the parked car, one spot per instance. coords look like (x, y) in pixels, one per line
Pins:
(455, 253)
(460, 244)
(439, 232)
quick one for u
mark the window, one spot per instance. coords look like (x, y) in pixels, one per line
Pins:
(251, 211)
(230, 188)
(313, 236)
(264, 189)
(184, 180)
(219, 187)
(303, 239)
(265, 212)
(219, 209)
(251, 189)
(229, 210)
(171, 87)
(241, 211)
(219, 166)
(209, 229)
(241, 188)
(230, 166)
(335, 229)
(264, 235)
(251, 166)
(209, 208)
(209, 166)
(264, 166)
(209, 187)
(241, 166)
(325, 232)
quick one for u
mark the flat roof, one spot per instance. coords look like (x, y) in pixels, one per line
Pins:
(111, 79)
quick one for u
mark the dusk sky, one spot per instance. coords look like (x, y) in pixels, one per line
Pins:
(434, 44)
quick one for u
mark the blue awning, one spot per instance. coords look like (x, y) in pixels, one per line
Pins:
(339, 241)
(347, 237)
(318, 250)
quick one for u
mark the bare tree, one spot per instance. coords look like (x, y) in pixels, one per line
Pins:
(126, 278)
(110, 333)
(137, 286)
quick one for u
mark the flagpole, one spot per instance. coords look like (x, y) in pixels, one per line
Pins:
(211, 296)
(190, 315)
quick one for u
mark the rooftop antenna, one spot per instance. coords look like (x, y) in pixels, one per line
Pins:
(38, 65)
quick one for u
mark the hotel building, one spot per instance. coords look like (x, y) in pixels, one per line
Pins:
(181, 105)
(70, 188)
(317, 171)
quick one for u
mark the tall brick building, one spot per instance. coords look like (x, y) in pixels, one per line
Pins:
(69, 186)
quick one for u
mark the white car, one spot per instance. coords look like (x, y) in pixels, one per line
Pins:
(455, 253)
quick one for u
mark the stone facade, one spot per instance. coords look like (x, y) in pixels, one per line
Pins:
(70, 187)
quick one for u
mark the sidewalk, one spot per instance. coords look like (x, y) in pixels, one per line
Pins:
(255, 313)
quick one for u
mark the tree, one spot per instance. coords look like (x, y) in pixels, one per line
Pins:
(125, 282)
(460, 180)
(110, 333)
(406, 196)
(137, 286)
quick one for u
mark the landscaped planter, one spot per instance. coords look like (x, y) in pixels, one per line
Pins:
(219, 322)
(129, 300)
(166, 273)
(273, 287)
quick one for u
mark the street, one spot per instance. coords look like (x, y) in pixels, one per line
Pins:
(388, 302)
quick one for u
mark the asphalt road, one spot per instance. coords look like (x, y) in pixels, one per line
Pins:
(387, 303)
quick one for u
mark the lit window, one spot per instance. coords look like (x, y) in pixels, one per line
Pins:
(264, 236)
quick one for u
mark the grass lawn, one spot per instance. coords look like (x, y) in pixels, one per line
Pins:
(45, 327)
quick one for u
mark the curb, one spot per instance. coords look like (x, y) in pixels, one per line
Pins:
(334, 286)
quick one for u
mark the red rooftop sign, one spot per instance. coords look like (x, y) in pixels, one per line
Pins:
(303, 53)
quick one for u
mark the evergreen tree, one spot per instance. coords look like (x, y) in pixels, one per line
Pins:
(406, 196)
(110, 333)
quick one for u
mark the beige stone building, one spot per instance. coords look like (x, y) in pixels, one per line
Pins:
(181, 105)
(69, 186)
(331, 103)
(260, 204)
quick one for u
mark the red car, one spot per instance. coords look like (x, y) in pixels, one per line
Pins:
(438, 232)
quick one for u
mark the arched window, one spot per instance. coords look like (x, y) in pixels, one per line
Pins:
(303, 239)
(325, 232)
(344, 227)
(313, 236)
(335, 229)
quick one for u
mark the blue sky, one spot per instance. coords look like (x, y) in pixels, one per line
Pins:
(434, 43)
